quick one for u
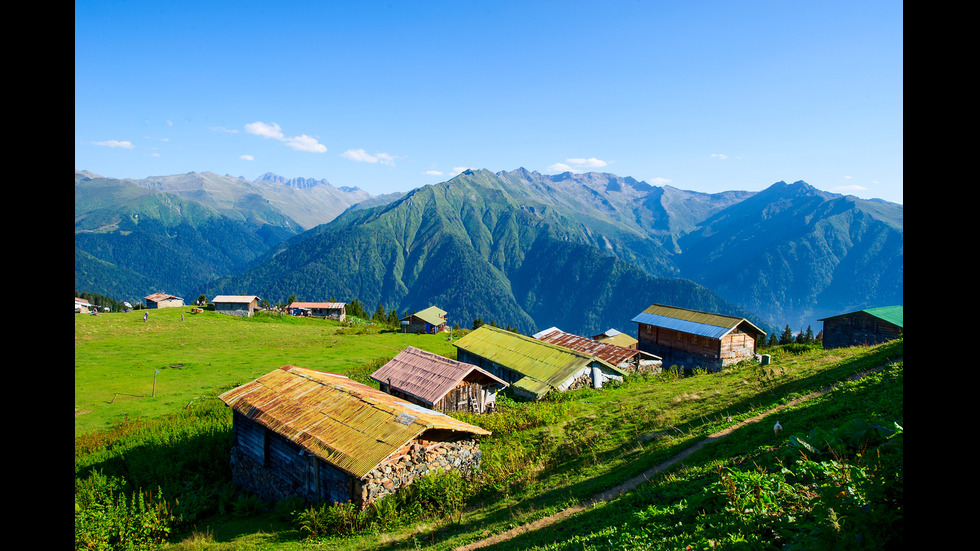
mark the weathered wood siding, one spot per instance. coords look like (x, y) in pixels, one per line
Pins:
(692, 351)
(858, 329)
(274, 468)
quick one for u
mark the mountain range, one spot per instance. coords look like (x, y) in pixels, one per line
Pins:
(584, 252)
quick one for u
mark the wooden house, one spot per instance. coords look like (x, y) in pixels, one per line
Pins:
(438, 383)
(83, 306)
(326, 438)
(430, 320)
(693, 339)
(532, 367)
(630, 360)
(236, 305)
(864, 327)
(163, 300)
(618, 338)
(327, 310)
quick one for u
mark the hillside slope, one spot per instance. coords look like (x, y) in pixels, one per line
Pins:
(479, 246)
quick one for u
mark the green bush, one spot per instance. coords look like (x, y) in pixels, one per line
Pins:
(108, 517)
(334, 519)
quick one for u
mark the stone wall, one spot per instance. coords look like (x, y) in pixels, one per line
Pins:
(415, 460)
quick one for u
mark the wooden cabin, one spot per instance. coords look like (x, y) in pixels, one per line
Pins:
(236, 305)
(438, 383)
(630, 360)
(864, 327)
(326, 438)
(163, 300)
(691, 339)
(326, 310)
(532, 367)
(428, 321)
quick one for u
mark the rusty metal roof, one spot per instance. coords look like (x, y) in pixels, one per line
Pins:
(429, 376)
(348, 424)
(607, 351)
(157, 297)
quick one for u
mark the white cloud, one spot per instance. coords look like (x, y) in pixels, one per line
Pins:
(577, 165)
(274, 131)
(591, 162)
(266, 130)
(247, 158)
(433, 173)
(855, 187)
(721, 156)
(306, 143)
(361, 156)
(116, 143)
(658, 181)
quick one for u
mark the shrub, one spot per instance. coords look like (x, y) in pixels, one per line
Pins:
(333, 519)
(107, 517)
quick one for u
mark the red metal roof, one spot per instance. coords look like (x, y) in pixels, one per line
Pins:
(605, 351)
(428, 376)
(328, 305)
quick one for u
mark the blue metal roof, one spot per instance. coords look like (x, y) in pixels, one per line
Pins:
(692, 327)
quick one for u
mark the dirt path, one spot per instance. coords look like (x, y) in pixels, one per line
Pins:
(617, 491)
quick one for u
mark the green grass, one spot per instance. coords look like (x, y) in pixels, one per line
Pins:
(118, 356)
(541, 458)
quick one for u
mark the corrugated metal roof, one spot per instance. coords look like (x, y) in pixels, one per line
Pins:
(705, 324)
(892, 314)
(328, 305)
(609, 352)
(427, 376)
(544, 362)
(621, 339)
(157, 297)
(235, 298)
(431, 315)
(348, 424)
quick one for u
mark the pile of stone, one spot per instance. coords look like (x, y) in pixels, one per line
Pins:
(417, 459)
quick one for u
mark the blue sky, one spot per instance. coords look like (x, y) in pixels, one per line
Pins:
(389, 96)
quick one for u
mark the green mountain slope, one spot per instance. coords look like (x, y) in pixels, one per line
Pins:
(134, 241)
(479, 245)
(798, 254)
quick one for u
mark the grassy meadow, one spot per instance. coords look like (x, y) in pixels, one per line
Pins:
(128, 368)
(831, 479)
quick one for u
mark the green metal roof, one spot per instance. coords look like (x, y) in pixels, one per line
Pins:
(544, 365)
(891, 314)
(431, 315)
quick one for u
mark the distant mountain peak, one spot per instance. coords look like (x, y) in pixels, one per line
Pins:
(298, 183)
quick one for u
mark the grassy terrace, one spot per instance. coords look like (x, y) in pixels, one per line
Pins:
(542, 458)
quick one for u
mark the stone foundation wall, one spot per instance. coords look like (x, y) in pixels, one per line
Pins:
(416, 460)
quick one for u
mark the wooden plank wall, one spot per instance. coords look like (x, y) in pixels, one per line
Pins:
(467, 397)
